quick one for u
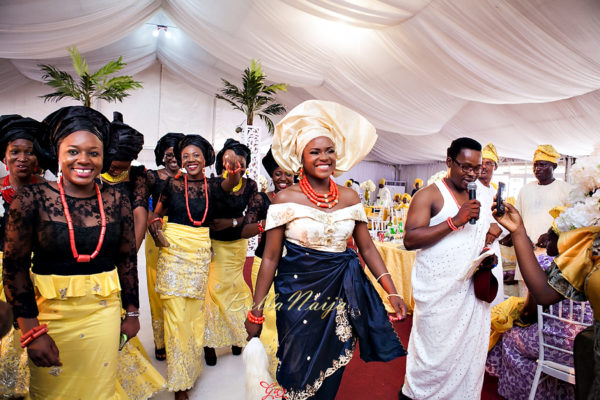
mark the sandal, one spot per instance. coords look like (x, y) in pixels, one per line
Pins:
(160, 354)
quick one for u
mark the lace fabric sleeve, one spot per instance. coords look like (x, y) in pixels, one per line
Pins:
(127, 257)
(257, 209)
(164, 195)
(141, 189)
(17, 254)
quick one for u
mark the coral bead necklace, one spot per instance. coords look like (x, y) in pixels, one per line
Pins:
(326, 200)
(187, 203)
(81, 257)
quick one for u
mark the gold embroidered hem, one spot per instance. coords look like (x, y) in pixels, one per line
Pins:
(14, 373)
(268, 335)
(184, 339)
(86, 331)
(310, 390)
(156, 311)
(228, 297)
(182, 268)
(67, 286)
(137, 377)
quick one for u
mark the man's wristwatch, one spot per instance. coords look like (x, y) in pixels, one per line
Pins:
(235, 223)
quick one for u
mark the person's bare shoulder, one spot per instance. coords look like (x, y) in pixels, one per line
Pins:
(287, 195)
(348, 196)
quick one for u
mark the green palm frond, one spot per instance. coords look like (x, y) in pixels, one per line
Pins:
(100, 85)
(254, 96)
(79, 63)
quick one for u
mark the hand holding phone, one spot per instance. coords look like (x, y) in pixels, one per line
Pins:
(500, 209)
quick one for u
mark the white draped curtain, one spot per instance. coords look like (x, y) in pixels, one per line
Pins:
(517, 73)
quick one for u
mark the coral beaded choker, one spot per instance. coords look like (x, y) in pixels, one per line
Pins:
(187, 203)
(326, 200)
(81, 258)
(8, 192)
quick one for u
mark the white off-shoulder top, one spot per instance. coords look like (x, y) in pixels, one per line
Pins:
(315, 229)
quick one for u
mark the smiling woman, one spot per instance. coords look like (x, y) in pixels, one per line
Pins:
(83, 246)
(18, 141)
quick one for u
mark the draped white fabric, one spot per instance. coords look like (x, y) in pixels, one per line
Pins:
(517, 73)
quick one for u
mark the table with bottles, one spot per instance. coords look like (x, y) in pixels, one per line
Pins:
(399, 263)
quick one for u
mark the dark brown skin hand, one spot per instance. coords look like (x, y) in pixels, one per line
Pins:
(43, 352)
(468, 210)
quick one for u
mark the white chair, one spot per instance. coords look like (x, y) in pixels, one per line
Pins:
(550, 368)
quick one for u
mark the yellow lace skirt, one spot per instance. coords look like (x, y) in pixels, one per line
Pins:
(83, 314)
(228, 298)
(14, 372)
(156, 310)
(268, 335)
(138, 379)
(182, 274)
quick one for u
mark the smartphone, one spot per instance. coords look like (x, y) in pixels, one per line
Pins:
(122, 341)
(500, 199)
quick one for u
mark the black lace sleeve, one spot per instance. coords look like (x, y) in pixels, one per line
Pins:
(257, 208)
(165, 195)
(127, 257)
(141, 190)
(17, 254)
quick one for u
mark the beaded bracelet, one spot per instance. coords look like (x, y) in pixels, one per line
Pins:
(254, 319)
(260, 228)
(135, 314)
(33, 334)
(451, 224)
(382, 275)
(157, 219)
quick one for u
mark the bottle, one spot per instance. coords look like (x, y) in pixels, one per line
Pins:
(400, 229)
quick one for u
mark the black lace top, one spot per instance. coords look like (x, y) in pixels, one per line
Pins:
(173, 200)
(155, 185)
(36, 224)
(232, 205)
(137, 187)
(257, 211)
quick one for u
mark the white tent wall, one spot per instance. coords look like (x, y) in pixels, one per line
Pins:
(368, 170)
(165, 104)
(409, 173)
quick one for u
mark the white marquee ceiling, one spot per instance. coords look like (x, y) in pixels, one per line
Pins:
(518, 73)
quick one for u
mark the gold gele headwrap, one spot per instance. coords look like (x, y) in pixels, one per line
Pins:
(382, 181)
(489, 152)
(348, 183)
(546, 152)
(419, 181)
(406, 196)
(351, 133)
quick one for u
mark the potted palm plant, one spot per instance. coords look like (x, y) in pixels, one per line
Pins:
(88, 87)
(253, 98)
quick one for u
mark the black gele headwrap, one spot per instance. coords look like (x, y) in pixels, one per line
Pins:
(13, 127)
(169, 140)
(195, 140)
(67, 120)
(131, 142)
(269, 163)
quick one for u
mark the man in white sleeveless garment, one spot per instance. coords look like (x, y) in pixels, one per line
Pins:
(450, 332)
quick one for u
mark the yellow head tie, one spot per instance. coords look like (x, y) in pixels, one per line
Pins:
(348, 183)
(382, 181)
(419, 181)
(545, 152)
(489, 152)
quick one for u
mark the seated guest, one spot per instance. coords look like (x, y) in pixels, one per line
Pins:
(513, 358)
(575, 272)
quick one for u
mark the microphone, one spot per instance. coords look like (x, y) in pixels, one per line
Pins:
(472, 188)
